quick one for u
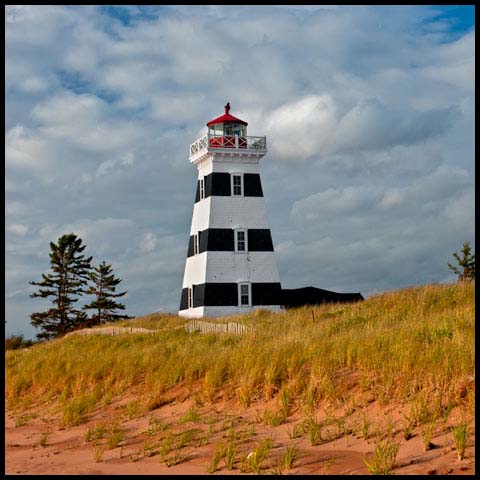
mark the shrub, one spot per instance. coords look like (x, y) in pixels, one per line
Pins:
(289, 457)
(460, 432)
(114, 437)
(384, 458)
(217, 456)
(255, 459)
(15, 342)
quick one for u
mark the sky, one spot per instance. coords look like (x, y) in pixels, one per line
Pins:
(368, 112)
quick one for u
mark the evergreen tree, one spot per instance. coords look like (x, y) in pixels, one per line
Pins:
(466, 262)
(70, 273)
(104, 286)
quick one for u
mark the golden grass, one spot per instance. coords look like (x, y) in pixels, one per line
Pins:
(412, 345)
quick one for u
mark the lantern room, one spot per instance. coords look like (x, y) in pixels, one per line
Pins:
(227, 131)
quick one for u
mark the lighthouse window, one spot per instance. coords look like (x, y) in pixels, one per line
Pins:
(240, 240)
(195, 244)
(244, 294)
(237, 185)
(202, 188)
(190, 297)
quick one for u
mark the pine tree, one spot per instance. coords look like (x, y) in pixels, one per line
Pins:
(70, 273)
(466, 262)
(104, 286)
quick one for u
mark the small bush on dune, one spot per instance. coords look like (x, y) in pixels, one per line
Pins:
(384, 457)
(460, 437)
(15, 342)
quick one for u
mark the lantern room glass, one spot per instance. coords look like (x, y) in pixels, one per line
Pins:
(227, 130)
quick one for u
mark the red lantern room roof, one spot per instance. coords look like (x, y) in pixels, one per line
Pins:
(226, 118)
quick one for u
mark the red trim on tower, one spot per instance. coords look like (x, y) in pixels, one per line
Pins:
(226, 118)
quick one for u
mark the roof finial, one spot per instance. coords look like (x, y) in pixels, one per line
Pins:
(227, 108)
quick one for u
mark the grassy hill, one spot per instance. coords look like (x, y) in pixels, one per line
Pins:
(413, 347)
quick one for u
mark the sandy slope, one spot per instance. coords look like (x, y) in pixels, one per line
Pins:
(67, 452)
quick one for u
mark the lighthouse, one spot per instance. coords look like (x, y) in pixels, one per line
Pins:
(230, 266)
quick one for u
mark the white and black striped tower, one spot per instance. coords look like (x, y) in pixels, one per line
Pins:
(230, 266)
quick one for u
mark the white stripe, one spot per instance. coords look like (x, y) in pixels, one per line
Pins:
(201, 215)
(192, 312)
(224, 311)
(227, 165)
(232, 267)
(238, 212)
(229, 212)
(195, 268)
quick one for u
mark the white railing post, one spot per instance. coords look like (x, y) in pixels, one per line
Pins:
(236, 140)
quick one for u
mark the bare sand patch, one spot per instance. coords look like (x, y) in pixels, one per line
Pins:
(67, 451)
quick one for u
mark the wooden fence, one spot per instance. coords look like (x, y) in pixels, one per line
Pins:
(109, 331)
(209, 327)
(192, 326)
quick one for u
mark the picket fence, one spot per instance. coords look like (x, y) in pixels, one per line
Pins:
(109, 331)
(192, 326)
(209, 327)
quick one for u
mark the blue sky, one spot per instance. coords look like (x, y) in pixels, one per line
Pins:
(368, 112)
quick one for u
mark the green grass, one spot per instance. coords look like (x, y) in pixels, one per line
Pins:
(98, 452)
(427, 433)
(230, 453)
(384, 457)
(411, 345)
(95, 433)
(191, 415)
(219, 454)
(114, 437)
(289, 457)
(43, 439)
(460, 437)
(255, 460)
(314, 430)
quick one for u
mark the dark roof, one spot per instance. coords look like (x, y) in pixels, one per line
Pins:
(226, 118)
(297, 297)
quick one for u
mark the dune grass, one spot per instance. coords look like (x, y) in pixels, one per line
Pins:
(412, 345)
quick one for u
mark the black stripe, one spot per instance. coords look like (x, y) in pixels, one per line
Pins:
(259, 240)
(190, 246)
(198, 295)
(226, 295)
(184, 299)
(207, 185)
(197, 195)
(252, 185)
(203, 241)
(219, 240)
(220, 294)
(222, 240)
(219, 184)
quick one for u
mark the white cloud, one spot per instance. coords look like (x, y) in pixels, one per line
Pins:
(455, 64)
(333, 203)
(149, 242)
(17, 229)
(84, 120)
(311, 127)
(24, 149)
(299, 129)
(369, 116)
